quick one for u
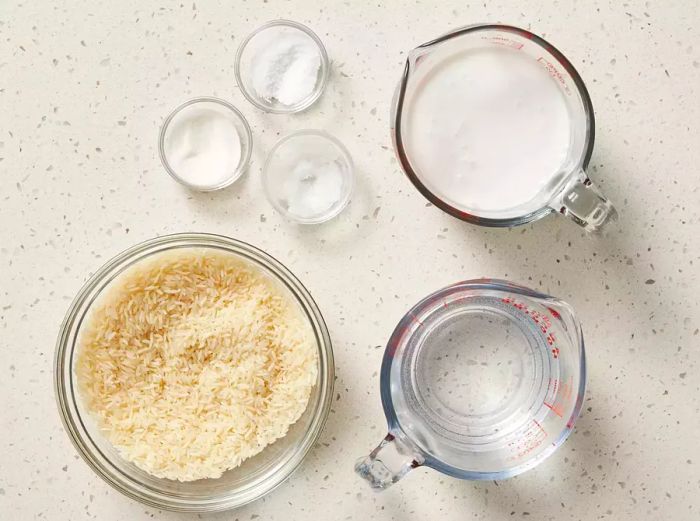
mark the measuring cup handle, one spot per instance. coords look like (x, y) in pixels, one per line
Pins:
(389, 462)
(584, 204)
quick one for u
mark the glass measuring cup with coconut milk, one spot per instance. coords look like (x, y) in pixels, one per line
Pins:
(494, 126)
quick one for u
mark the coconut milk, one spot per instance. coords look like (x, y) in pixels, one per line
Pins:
(489, 130)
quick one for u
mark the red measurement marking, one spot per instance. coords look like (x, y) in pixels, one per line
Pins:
(554, 313)
(502, 40)
(553, 382)
(554, 73)
(444, 304)
(416, 319)
(540, 426)
(554, 409)
(533, 444)
(541, 320)
(566, 391)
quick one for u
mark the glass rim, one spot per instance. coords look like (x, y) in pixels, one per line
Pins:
(79, 434)
(388, 359)
(281, 109)
(243, 162)
(397, 110)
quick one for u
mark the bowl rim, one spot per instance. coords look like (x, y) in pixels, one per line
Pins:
(65, 393)
(247, 138)
(282, 109)
(349, 177)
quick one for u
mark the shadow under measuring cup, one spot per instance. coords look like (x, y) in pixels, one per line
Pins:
(481, 380)
(494, 126)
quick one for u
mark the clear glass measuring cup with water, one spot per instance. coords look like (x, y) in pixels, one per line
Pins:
(494, 126)
(481, 380)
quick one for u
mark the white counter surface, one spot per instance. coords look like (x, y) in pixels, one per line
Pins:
(83, 90)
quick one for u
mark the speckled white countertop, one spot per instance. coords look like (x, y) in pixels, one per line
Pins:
(83, 90)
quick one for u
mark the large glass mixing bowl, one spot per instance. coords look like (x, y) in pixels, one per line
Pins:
(256, 476)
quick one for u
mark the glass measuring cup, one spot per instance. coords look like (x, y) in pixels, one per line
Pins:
(564, 188)
(481, 380)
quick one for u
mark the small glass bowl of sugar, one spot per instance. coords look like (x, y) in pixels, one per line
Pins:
(205, 144)
(308, 176)
(282, 67)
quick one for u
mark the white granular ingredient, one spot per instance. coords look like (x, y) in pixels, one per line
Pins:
(285, 66)
(195, 361)
(313, 187)
(308, 176)
(202, 145)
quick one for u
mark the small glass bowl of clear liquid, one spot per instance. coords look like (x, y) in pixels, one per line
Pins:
(481, 380)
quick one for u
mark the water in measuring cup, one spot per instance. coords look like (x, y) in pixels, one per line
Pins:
(472, 392)
(488, 129)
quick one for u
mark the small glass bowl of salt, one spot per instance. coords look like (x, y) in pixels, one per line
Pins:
(308, 176)
(282, 67)
(205, 144)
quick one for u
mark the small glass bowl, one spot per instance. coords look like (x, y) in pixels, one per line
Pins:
(256, 476)
(244, 134)
(247, 53)
(312, 149)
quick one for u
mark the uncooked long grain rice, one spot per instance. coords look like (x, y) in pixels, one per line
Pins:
(194, 361)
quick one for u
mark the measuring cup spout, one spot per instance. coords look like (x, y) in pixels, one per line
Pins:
(389, 462)
(581, 201)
